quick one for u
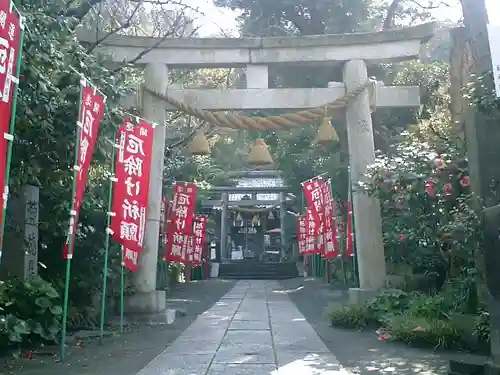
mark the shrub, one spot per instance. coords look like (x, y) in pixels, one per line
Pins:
(391, 302)
(353, 316)
(30, 312)
(419, 331)
(482, 327)
(430, 307)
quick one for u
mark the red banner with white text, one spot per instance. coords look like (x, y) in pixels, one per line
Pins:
(91, 114)
(314, 198)
(349, 232)
(181, 222)
(302, 234)
(312, 237)
(131, 191)
(10, 37)
(330, 228)
(199, 234)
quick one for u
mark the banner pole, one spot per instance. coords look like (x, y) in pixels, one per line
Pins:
(70, 232)
(12, 126)
(122, 287)
(106, 241)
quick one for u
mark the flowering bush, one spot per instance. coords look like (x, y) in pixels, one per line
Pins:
(428, 220)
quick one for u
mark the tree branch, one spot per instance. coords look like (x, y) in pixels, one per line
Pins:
(123, 26)
(391, 14)
(81, 11)
(143, 53)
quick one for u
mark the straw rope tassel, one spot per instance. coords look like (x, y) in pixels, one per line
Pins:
(259, 155)
(199, 144)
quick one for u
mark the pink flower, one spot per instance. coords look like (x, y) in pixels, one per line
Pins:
(384, 337)
(402, 237)
(465, 181)
(439, 163)
(447, 189)
(430, 187)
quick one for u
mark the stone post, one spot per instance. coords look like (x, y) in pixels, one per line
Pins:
(224, 254)
(21, 233)
(282, 223)
(366, 209)
(31, 213)
(147, 299)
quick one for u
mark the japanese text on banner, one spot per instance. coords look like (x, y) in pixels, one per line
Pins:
(181, 222)
(183, 207)
(349, 232)
(330, 232)
(91, 114)
(130, 259)
(314, 198)
(311, 234)
(131, 191)
(10, 37)
(302, 234)
(199, 233)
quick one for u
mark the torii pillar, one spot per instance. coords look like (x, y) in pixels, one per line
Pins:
(366, 209)
(146, 298)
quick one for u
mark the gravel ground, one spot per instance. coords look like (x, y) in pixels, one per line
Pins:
(360, 351)
(128, 353)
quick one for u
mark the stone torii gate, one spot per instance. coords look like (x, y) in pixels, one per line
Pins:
(257, 55)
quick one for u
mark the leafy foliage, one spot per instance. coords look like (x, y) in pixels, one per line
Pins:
(30, 311)
(429, 221)
(352, 316)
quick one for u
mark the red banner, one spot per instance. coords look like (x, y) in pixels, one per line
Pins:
(331, 242)
(10, 34)
(199, 234)
(91, 114)
(311, 234)
(130, 259)
(164, 215)
(181, 222)
(302, 234)
(131, 191)
(314, 198)
(349, 250)
(183, 207)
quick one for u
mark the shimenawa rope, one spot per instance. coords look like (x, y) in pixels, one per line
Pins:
(285, 121)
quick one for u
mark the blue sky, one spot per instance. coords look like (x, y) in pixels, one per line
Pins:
(215, 19)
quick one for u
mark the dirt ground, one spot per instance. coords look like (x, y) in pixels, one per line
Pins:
(127, 353)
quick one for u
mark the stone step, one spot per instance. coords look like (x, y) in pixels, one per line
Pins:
(254, 270)
(468, 365)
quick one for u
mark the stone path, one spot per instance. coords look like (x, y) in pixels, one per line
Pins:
(253, 330)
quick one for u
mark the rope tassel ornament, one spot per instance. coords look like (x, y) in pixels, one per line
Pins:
(326, 135)
(199, 144)
(259, 155)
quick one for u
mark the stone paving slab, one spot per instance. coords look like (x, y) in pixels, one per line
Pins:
(252, 330)
(168, 365)
(242, 325)
(262, 354)
(245, 369)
